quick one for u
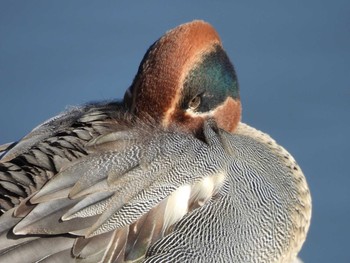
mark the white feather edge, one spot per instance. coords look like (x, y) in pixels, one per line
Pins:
(180, 201)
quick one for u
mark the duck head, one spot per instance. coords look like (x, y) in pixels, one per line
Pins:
(185, 78)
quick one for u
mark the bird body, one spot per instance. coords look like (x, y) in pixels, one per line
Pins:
(169, 174)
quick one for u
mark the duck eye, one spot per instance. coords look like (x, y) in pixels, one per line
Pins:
(194, 103)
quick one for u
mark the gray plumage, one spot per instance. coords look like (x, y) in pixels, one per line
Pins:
(152, 178)
(94, 185)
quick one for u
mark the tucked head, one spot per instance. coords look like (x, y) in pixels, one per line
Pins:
(184, 78)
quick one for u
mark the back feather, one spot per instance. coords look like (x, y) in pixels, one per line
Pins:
(120, 194)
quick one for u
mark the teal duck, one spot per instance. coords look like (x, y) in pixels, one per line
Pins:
(168, 174)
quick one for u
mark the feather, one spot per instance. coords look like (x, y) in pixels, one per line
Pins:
(45, 218)
(38, 249)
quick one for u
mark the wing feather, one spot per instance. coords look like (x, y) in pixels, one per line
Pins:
(138, 192)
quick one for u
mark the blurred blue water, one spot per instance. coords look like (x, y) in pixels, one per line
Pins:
(292, 59)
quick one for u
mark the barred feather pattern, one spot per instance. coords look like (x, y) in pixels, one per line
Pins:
(27, 165)
(142, 194)
(261, 213)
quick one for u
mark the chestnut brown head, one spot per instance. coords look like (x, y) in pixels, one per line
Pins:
(185, 78)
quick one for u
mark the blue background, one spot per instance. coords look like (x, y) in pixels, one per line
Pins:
(292, 60)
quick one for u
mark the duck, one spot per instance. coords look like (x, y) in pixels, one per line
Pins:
(168, 174)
